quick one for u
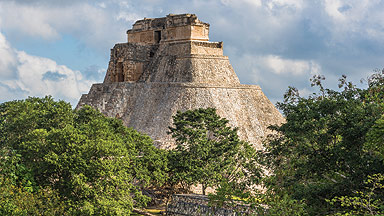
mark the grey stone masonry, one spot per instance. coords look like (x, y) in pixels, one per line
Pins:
(153, 76)
(198, 205)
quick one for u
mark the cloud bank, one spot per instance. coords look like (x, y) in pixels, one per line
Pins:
(26, 75)
(271, 43)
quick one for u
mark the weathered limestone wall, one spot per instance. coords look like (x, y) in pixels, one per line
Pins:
(206, 48)
(144, 37)
(195, 32)
(183, 48)
(149, 107)
(197, 205)
(187, 61)
(128, 61)
(180, 27)
(176, 62)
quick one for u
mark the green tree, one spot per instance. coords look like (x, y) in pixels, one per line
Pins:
(375, 138)
(366, 202)
(95, 164)
(271, 204)
(209, 151)
(18, 193)
(320, 152)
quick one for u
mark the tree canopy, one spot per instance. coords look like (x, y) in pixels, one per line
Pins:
(326, 159)
(331, 142)
(209, 151)
(93, 163)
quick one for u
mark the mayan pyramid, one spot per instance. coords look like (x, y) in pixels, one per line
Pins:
(169, 64)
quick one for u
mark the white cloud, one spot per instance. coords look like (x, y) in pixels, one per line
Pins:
(296, 4)
(101, 4)
(275, 73)
(354, 19)
(278, 65)
(33, 22)
(93, 25)
(332, 9)
(305, 92)
(8, 58)
(275, 43)
(242, 3)
(127, 17)
(38, 76)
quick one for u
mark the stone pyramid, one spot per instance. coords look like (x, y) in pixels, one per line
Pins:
(168, 64)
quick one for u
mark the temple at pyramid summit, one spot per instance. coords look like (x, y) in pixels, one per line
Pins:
(169, 64)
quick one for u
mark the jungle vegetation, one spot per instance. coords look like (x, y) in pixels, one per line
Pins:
(326, 159)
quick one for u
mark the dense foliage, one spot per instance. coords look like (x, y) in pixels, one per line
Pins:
(326, 159)
(18, 193)
(329, 145)
(92, 164)
(209, 152)
(369, 201)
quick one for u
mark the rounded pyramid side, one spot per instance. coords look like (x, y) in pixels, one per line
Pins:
(149, 107)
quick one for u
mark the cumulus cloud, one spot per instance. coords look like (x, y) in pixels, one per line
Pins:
(255, 3)
(91, 24)
(33, 22)
(30, 75)
(278, 65)
(272, 43)
(294, 4)
(275, 73)
(44, 2)
(350, 21)
(8, 60)
(94, 72)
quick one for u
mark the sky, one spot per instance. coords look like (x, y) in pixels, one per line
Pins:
(62, 47)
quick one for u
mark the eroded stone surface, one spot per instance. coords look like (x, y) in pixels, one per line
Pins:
(173, 27)
(198, 205)
(150, 79)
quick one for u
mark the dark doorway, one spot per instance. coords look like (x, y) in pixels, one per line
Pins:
(120, 72)
(157, 36)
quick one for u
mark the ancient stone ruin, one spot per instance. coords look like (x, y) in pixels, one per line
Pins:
(169, 64)
(198, 205)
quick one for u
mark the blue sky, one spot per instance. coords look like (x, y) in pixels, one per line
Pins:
(61, 47)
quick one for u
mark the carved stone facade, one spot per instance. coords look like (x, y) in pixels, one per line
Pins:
(154, 75)
(173, 27)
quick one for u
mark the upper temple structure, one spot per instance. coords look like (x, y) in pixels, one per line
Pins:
(168, 64)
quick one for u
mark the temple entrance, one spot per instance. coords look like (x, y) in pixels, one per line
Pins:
(157, 36)
(120, 72)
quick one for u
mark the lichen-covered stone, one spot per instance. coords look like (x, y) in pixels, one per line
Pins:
(198, 205)
(147, 83)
